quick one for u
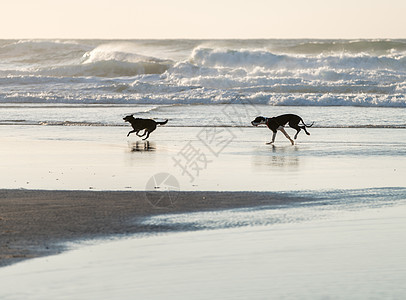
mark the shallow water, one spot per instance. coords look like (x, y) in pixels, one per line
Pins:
(219, 115)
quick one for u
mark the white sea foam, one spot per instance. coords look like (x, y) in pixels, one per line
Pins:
(276, 72)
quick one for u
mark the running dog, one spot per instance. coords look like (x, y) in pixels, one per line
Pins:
(279, 122)
(148, 125)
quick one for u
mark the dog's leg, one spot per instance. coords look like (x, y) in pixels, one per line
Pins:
(296, 126)
(149, 131)
(273, 138)
(297, 131)
(132, 131)
(304, 128)
(286, 134)
(146, 136)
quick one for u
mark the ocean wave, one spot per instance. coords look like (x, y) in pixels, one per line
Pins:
(206, 96)
(362, 100)
(273, 72)
(251, 59)
(41, 51)
(374, 47)
(69, 58)
(108, 68)
(322, 80)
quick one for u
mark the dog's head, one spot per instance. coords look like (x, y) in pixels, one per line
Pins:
(259, 121)
(128, 118)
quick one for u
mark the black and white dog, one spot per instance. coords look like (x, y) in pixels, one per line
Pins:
(278, 123)
(148, 125)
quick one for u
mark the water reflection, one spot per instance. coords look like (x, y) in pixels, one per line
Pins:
(142, 146)
(277, 157)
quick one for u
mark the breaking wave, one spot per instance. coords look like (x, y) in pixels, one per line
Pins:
(253, 59)
(274, 72)
(107, 68)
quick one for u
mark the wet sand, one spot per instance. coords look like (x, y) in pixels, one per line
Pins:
(70, 183)
(352, 239)
(102, 158)
(37, 223)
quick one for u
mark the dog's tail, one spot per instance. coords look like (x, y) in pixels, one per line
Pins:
(306, 124)
(162, 123)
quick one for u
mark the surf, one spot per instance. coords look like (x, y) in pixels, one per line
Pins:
(370, 73)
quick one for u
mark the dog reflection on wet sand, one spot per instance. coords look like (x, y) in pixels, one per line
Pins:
(142, 146)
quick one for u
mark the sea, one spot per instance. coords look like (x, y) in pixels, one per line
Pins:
(88, 82)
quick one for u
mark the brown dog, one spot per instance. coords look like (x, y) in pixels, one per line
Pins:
(138, 124)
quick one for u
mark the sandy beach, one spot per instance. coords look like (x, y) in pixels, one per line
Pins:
(64, 187)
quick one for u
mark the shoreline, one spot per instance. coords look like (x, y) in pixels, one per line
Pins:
(35, 223)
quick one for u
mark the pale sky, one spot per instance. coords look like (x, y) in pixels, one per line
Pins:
(133, 19)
